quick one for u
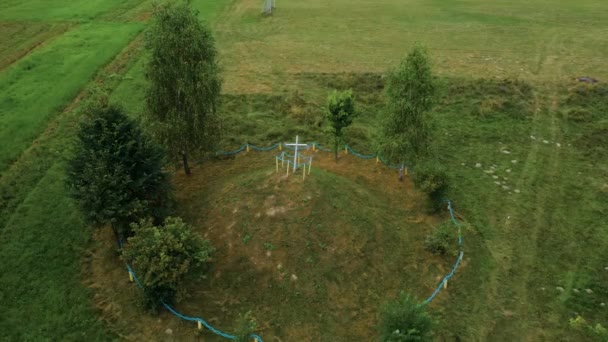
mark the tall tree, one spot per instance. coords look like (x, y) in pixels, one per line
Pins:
(340, 113)
(115, 173)
(410, 93)
(185, 82)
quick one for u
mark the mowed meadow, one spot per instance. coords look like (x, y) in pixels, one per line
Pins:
(527, 146)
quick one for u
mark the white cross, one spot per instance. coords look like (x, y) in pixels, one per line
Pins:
(295, 157)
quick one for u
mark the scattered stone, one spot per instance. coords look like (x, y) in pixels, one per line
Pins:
(235, 210)
(462, 164)
(542, 289)
(169, 331)
(545, 142)
(294, 277)
(478, 165)
(504, 187)
(495, 177)
(508, 170)
(602, 304)
(587, 79)
(558, 144)
(505, 178)
(575, 290)
(516, 191)
(489, 171)
(560, 289)
(497, 182)
(506, 152)
(279, 266)
(268, 254)
(589, 291)
(532, 137)
(514, 161)
(606, 268)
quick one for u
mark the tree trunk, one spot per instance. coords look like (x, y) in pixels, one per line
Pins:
(336, 148)
(185, 161)
(116, 234)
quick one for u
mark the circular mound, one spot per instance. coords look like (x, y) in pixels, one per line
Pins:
(312, 259)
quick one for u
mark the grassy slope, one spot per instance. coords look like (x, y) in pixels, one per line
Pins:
(41, 292)
(34, 10)
(31, 95)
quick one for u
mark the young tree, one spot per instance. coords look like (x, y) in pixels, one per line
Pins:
(404, 320)
(340, 113)
(164, 256)
(185, 82)
(410, 93)
(115, 173)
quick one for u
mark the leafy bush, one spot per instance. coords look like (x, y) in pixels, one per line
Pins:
(405, 320)
(244, 327)
(433, 180)
(163, 256)
(438, 242)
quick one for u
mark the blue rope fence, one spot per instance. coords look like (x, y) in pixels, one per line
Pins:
(284, 156)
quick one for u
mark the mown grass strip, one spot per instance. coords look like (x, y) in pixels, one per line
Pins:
(40, 85)
(57, 9)
(40, 290)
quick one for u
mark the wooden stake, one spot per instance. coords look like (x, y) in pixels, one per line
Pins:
(277, 163)
(280, 146)
(445, 284)
(200, 325)
(131, 277)
(405, 171)
(377, 160)
(247, 147)
(304, 172)
(309, 165)
(346, 149)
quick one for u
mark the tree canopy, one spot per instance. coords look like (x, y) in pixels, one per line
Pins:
(410, 93)
(185, 82)
(340, 113)
(163, 256)
(115, 173)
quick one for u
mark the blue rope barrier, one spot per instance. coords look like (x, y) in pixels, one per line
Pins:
(237, 151)
(458, 260)
(359, 155)
(264, 149)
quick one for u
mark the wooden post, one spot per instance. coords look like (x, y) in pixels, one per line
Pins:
(406, 171)
(247, 147)
(346, 149)
(131, 276)
(287, 169)
(314, 147)
(377, 159)
(309, 165)
(280, 146)
(277, 163)
(199, 325)
(445, 284)
(282, 159)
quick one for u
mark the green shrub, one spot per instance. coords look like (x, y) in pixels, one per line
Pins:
(163, 256)
(245, 326)
(433, 180)
(438, 242)
(405, 320)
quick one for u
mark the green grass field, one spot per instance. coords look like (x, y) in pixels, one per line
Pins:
(538, 238)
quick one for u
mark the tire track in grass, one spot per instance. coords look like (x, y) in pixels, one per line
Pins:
(516, 315)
